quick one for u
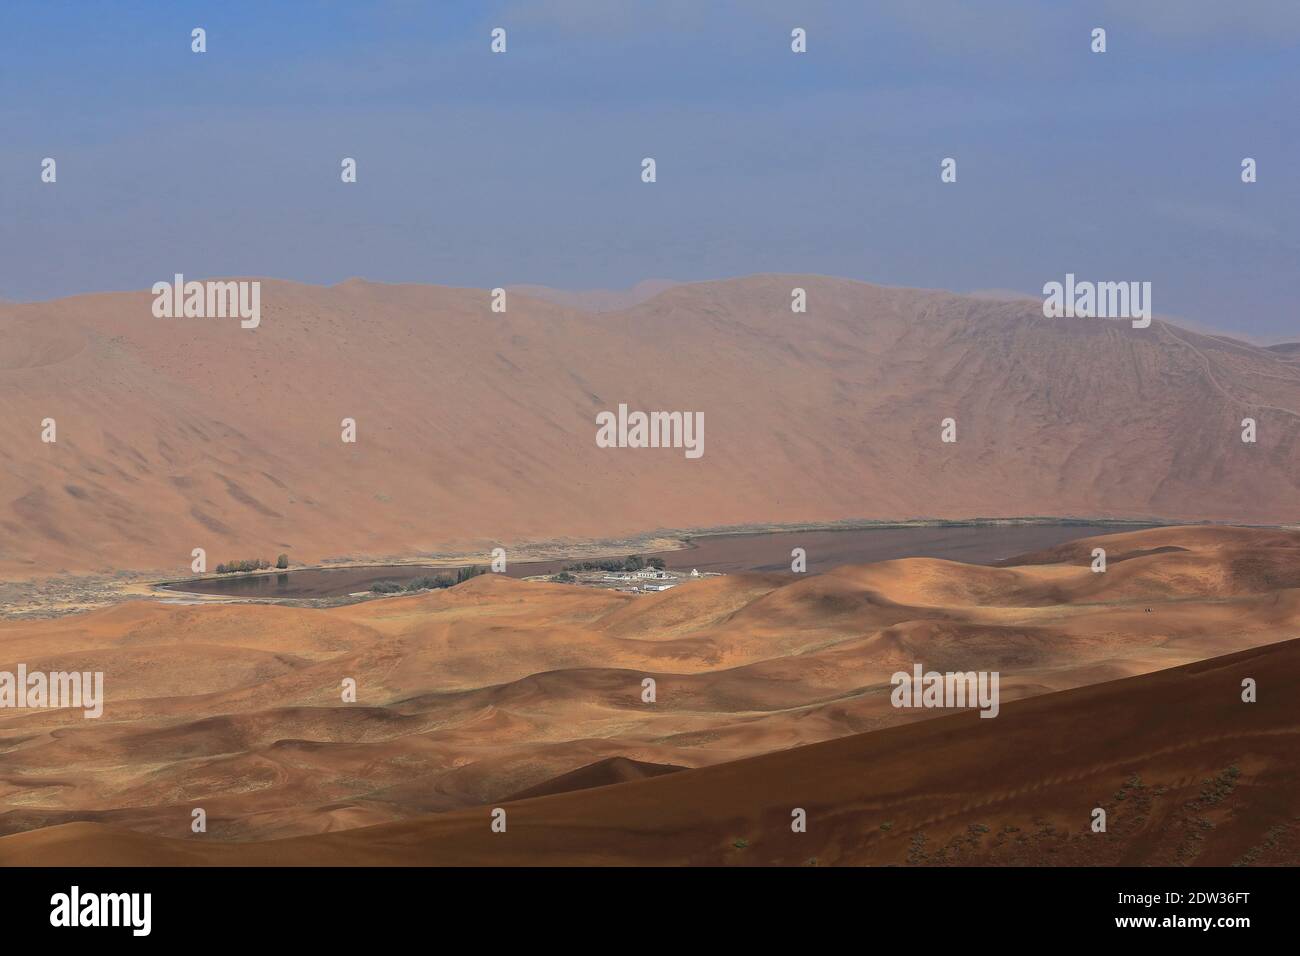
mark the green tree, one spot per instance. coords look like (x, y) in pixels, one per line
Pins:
(464, 574)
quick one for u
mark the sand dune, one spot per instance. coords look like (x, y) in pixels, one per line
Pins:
(1186, 772)
(603, 773)
(498, 687)
(477, 429)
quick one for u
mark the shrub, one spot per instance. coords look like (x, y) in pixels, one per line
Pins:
(282, 562)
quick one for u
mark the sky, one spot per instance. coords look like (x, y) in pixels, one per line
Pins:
(482, 169)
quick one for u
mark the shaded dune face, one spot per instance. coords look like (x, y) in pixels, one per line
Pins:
(1186, 773)
(478, 428)
(501, 689)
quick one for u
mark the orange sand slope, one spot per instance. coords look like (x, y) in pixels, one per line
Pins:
(477, 429)
(497, 687)
(1186, 772)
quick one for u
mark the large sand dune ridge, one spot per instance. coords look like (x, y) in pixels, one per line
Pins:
(477, 429)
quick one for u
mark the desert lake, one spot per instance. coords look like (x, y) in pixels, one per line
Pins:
(727, 553)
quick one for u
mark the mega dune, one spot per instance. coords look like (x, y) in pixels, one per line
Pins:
(477, 428)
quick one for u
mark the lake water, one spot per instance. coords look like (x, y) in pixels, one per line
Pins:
(729, 553)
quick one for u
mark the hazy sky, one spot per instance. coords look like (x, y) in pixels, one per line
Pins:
(478, 169)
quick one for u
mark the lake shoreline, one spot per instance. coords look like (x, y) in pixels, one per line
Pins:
(729, 551)
(684, 540)
(71, 593)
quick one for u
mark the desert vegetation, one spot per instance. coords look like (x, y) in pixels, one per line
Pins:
(633, 562)
(248, 564)
(427, 582)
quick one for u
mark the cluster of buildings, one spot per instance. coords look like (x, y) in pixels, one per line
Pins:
(647, 579)
(640, 581)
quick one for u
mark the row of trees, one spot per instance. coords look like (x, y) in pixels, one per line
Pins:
(252, 564)
(427, 583)
(633, 562)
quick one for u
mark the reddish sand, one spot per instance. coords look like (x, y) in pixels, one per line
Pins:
(477, 429)
(499, 687)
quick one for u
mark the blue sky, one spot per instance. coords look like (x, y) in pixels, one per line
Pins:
(481, 170)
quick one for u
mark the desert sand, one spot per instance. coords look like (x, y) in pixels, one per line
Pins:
(1187, 773)
(501, 690)
(477, 429)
